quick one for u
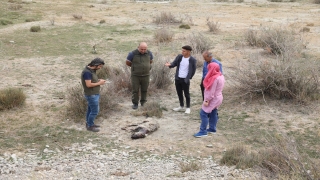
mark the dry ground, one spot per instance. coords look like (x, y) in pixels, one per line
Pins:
(44, 78)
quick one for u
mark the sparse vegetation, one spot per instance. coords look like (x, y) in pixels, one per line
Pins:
(214, 27)
(279, 158)
(161, 76)
(163, 35)
(102, 21)
(184, 26)
(151, 109)
(166, 18)
(35, 29)
(280, 76)
(5, 22)
(77, 16)
(30, 20)
(199, 42)
(11, 98)
(191, 166)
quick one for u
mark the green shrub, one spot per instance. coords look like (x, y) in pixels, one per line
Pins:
(184, 26)
(11, 97)
(5, 22)
(163, 35)
(166, 18)
(35, 29)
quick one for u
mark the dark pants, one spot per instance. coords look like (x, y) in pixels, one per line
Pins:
(182, 87)
(139, 83)
(202, 89)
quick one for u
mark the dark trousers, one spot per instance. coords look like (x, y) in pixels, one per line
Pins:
(182, 87)
(139, 83)
(202, 89)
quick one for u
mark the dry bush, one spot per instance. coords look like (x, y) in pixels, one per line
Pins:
(191, 166)
(199, 58)
(282, 158)
(108, 72)
(163, 35)
(240, 156)
(252, 38)
(296, 78)
(11, 98)
(121, 80)
(30, 20)
(35, 29)
(281, 41)
(151, 109)
(305, 29)
(214, 27)
(77, 104)
(161, 76)
(15, 7)
(317, 1)
(166, 18)
(77, 16)
(199, 43)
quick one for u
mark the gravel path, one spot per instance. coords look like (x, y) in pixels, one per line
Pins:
(89, 161)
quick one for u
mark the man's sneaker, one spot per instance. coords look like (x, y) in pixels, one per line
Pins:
(93, 129)
(200, 134)
(187, 111)
(211, 132)
(178, 109)
(135, 106)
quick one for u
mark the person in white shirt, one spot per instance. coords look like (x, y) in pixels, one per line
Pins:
(186, 68)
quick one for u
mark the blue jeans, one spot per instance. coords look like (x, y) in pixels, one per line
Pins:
(209, 118)
(93, 108)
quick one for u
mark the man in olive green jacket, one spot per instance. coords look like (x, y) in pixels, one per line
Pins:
(140, 62)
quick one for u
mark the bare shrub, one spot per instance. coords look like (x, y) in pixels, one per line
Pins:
(77, 16)
(166, 18)
(295, 78)
(108, 72)
(214, 27)
(77, 104)
(283, 159)
(161, 76)
(305, 29)
(252, 38)
(163, 35)
(35, 29)
(30, 20)
(189, 166)
(15, 7)
(281, 41)
(11, 98)
(198, 42)
(240, 156)
(317, 1)
(102, 21)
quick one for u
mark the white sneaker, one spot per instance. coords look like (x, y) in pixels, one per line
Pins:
(178, 109)
(187, 111)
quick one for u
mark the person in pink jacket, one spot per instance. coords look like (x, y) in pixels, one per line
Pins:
(213, 84)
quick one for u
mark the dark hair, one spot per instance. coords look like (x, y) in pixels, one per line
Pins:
(96, 62)
(187, 47)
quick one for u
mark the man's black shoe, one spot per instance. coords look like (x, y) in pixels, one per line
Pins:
(93, 129)
(94, 125)
(135, 106)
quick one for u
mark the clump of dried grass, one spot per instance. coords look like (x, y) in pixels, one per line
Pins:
(214, 27)
(199, 42)
(163, 35)
(11, 98)
(166, 18)
(161, 76)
